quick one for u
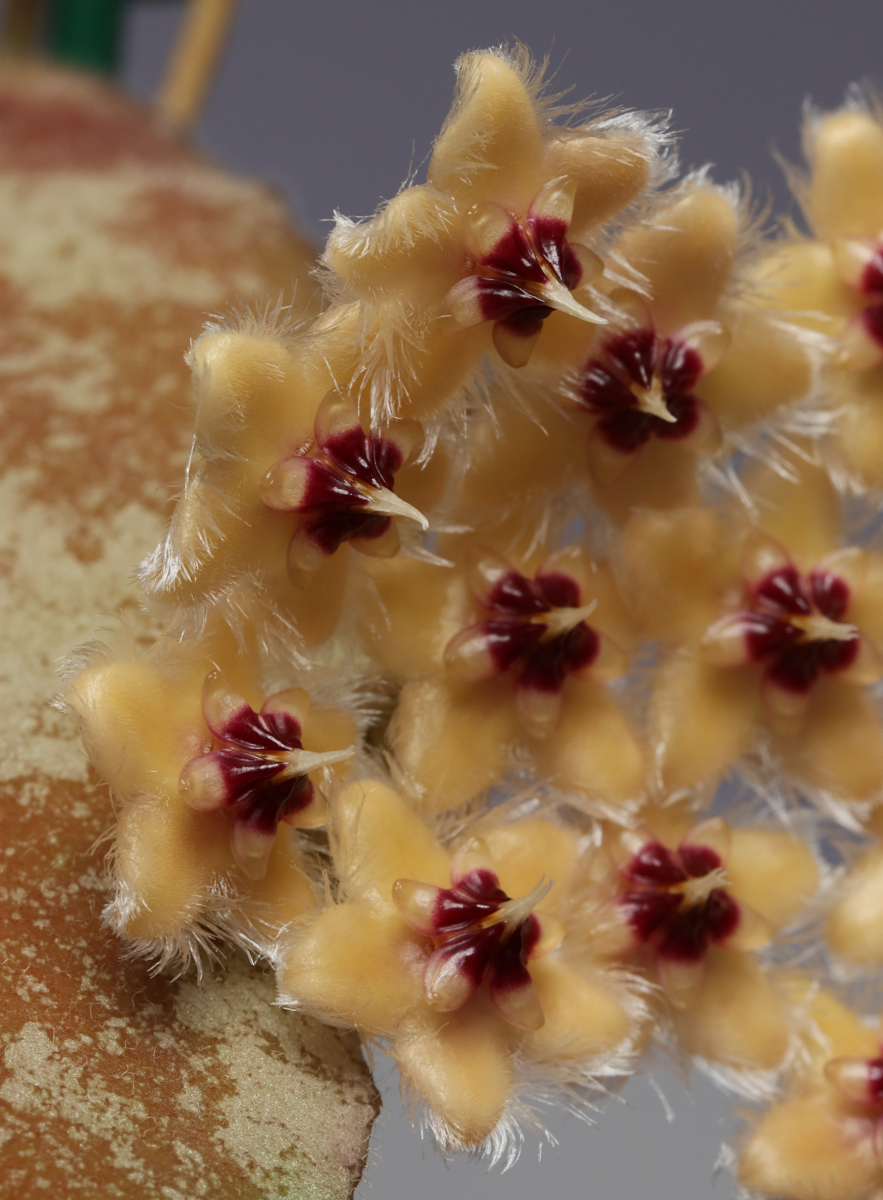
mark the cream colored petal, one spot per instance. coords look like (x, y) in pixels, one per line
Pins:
(489, 148)
(462, 1065)
(702, 718)
(866, 604)
(285, 893)
(358, 966)
(581, 1018)
(686, 257)
(765, 368)
(738, 1019)
(608, 172)
(379, 839)
(803, 516)
(166, 858)
(846, 191)
(773, 872)
(525, 851)
(140, 727)
(408, 245)
(593, 750)
(806, 1149)
(676, 567)
(659, 477)
(451, 739)
(860, 428)
(854, 928)
(840, 744)
(801, 279)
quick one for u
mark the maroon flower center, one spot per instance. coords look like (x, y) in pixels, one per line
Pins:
(678, 904)
(475, 938)
(639, 378)
(258, 781)
(333, 497)
(523, 630)
(787, 623)
(526, 254)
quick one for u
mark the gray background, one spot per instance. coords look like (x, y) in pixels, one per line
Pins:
(335, 103)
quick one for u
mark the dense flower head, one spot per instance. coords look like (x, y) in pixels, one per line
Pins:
(538, 686)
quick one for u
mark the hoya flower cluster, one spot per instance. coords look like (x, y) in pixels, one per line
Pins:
(483, 581)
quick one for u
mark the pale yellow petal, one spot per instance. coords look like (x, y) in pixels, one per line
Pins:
(686, 257)
(773, 872)
(462, 1065)
(357, 966)
(703, 718)
(581, 1018)
(451, 739)
(854, 928)
(608, 172)
(840, 745)
(846, 191)
(593, 749)
(803, 515)
(379, 839)
(765, 368)
(489, 148)
(738, 1018)
(525, 851)
(806, 1149)
(860, 428)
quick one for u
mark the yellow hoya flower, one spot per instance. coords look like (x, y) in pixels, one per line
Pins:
(478, 257)
(772, 628)
(208, 772)
(833, 281)
(460, 958)
(499, 658)
(824, 1141)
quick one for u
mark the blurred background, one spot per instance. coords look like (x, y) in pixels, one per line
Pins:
(336, 104)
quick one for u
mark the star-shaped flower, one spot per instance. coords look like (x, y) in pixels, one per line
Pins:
(538, 630)
(525, 270)
(794, 626)
(643, 388)
(425, 948)
(342, 488)
(259, 770)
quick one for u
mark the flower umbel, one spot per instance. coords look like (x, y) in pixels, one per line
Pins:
(260, 770)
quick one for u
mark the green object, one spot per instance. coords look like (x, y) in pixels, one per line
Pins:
(86, 33)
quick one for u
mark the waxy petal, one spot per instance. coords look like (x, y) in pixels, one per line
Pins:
(251, 844)
(761, 556)
(304, 556)
(306, 485)
(861, 343)
(336, 415)
(511, 988)
(293, 704)
(464, 303)
(473, 855)
(608, 662)
(223, 710)
(858, 1079)
(496, 585)
(204, 784)
(469, 655)
(709, 339)
(681, 980)
(865, 668)
(785, 708)
(538, 710)
(456, 969)
(837, 579)
(653, 865)
(554, 201)
(515, 343)
(311, 815)
(726, 642)
(418, 904)
(384, 544)
(606, 461)
(494, 239)
(591, 264)
(859, 263)
(703, 432)
(752, 932)
(551, 935)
